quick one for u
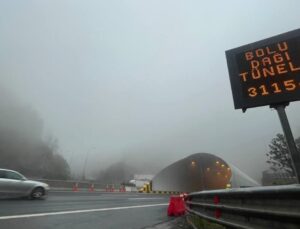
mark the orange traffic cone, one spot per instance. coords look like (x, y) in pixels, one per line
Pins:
(75, 187)
(112, 188)
(91, 188)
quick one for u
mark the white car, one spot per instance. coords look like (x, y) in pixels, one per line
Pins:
(14, 184)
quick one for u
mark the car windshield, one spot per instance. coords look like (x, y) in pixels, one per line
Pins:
(11, 175)
(14, 175)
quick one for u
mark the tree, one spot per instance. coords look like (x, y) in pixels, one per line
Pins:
(278, 157)
(117, 173)
(22, 146)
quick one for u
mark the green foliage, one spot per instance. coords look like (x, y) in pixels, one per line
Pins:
(278, 156)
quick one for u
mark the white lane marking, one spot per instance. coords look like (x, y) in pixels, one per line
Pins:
(146, 198)
(79, 211)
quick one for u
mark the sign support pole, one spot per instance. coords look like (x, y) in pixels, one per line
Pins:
(294, 153)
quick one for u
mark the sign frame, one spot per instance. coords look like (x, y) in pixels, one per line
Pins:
(240, 102)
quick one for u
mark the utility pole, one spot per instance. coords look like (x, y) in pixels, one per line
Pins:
(85, 162)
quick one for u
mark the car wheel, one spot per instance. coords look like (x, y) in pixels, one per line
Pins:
(37, 193)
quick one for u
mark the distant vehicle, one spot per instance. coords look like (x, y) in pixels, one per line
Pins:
(14, 184)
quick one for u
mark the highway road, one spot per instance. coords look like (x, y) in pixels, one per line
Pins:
(84, 210)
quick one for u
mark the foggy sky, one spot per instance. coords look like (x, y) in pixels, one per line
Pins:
(143, 81)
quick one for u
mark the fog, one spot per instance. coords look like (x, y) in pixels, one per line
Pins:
(22, 144)
(143, 82)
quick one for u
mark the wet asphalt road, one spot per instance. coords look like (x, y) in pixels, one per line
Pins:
(83, 210)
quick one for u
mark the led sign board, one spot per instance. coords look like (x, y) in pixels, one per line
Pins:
(266, 72)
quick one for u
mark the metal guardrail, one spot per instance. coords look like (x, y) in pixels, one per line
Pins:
(275, 207)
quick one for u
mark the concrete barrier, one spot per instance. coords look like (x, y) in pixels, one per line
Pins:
(68, 185)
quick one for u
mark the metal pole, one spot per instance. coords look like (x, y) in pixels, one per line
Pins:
(294, 153)
(84, 168)
(85, 162)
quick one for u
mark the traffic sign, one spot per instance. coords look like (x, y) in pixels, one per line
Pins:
(266, 72)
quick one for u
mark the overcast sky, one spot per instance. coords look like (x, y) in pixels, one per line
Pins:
(144, 80)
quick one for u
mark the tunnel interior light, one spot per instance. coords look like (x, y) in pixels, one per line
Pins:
(207, 169)
(223, 165)
(217, 162)
(193, 163)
